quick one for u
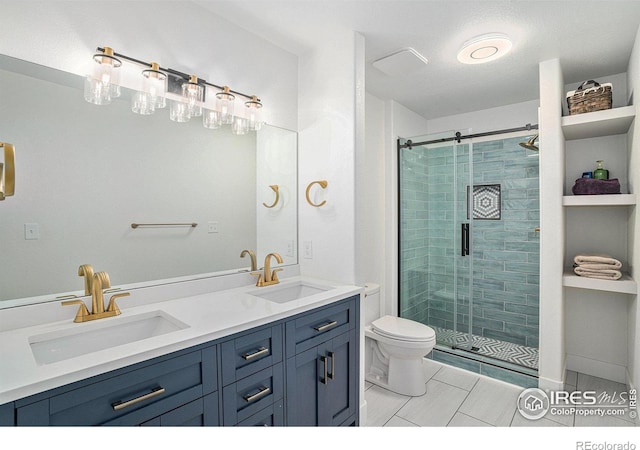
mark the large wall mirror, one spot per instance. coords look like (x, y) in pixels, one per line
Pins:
(86, 173)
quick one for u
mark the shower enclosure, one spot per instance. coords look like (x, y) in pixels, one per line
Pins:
(469, 246)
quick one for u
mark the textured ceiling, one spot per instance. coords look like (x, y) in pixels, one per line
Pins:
(591, 38)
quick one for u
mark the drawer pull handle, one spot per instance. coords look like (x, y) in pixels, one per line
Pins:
(333, 366)
(260, 352)
(324, 362)
(263, 391)
(326, 326)
(117, 406)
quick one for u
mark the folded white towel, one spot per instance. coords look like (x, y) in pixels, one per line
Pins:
(603, 274)
(598, 261)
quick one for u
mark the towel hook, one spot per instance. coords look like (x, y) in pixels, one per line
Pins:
(276, 189)
(323, 184)
(7, 171)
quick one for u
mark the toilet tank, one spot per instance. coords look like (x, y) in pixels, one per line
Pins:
(371, 302)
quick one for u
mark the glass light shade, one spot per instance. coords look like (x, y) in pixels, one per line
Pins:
(103, 83)
(108, 71)
(154, 83)
(254, 113)
(240, 124)
(142, 103)
(225, 102)
(179, 111)
(95, 92)
(193, 95)
(211, 118)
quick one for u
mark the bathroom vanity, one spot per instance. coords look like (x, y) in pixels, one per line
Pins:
(280, 355)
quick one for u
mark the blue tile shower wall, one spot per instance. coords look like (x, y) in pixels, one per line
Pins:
(505, 252)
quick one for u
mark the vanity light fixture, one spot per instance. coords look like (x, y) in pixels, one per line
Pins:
(485, 48)
(186, 94)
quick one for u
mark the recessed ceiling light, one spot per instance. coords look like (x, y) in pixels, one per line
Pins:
(485, 48)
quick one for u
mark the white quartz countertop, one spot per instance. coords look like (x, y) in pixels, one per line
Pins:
(207, 317)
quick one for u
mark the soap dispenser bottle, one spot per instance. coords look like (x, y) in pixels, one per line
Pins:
(600, 173)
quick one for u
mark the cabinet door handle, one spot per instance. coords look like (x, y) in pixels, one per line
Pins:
(260, 352)
(117, 406)
(261, 393)
(324, 362)
(326, 326)
(333, 366)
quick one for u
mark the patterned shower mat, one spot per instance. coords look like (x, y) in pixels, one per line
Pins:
(493, 348)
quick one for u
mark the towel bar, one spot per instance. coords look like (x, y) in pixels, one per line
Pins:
(165, 225)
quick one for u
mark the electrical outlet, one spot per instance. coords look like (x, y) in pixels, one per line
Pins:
(307, 250)
(213, 227)
(31, 231)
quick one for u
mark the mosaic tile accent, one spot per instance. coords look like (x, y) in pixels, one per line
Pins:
(487, 203)
(493, 348)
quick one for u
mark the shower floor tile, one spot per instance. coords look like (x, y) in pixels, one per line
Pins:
(493, 348)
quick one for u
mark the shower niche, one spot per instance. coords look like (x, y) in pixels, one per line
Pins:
(469, 250)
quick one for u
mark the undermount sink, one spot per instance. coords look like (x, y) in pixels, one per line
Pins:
(289, 292)
(106, 333)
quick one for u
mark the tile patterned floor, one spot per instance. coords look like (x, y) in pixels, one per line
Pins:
(504, 351)
(457, 397)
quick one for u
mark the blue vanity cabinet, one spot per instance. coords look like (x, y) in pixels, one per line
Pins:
(172, 388)
(7, 415)
(322, 372)
(252, 376)
(301, 370)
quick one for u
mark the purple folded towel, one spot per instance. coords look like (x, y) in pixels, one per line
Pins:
(591, 186)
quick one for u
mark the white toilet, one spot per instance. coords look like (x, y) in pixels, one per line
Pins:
(394, 348)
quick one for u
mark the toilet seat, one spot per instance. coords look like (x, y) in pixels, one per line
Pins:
(402, 329)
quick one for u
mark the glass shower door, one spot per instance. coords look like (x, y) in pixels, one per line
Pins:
(435, 236)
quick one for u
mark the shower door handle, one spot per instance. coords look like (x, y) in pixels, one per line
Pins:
(464, 239)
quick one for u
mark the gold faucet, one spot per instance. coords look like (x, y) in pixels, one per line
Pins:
(270, 277)
(99, 282)
(254, 264)
(86, 271)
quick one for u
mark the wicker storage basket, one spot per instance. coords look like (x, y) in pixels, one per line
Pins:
(587, 99)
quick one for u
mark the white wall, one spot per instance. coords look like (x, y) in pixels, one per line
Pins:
(179, 35)
(371, 195)
(503, 117)
(330, 81)
(552, 223)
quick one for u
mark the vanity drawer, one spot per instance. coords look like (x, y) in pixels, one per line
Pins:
(250, 353)
(7, 415)
(128, 398)
(198, 413)
(250, 395)
(309, 330)
(271, 416)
